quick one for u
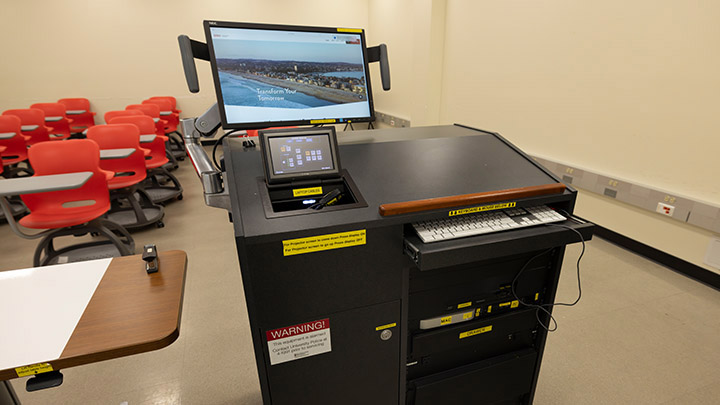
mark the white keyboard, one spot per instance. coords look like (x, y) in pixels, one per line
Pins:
(485, 222)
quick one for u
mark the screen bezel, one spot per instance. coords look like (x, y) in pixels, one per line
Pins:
(266, 151)
(277, 27)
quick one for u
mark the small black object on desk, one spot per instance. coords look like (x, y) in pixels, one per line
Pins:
(150, 256)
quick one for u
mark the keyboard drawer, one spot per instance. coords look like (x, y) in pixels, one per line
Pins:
(429, 256)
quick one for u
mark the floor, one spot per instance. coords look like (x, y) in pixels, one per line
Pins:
(641, 334)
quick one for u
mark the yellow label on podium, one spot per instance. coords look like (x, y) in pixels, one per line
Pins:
(299, 192)
(475, 332)
(473, 210)
(323, 242)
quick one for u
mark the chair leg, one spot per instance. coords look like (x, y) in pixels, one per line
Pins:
(108, 229)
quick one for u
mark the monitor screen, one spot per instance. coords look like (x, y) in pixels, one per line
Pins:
(276, 75)
(299, 154)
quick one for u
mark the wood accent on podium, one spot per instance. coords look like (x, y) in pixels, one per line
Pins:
(469, 199)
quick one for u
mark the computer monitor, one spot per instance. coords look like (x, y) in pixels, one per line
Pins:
(279, 75)
(299, 154)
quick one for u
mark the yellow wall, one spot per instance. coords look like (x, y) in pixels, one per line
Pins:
(120, 52)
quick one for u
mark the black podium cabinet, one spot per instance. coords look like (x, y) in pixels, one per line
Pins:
(337, 298)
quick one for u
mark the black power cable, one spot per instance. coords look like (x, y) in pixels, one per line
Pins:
(543, 307)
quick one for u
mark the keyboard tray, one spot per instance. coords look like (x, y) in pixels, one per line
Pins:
(429, 256)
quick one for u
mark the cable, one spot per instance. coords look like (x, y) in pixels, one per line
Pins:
(217, 142)
(542, 307)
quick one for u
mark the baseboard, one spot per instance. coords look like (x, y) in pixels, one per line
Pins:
(674, 263)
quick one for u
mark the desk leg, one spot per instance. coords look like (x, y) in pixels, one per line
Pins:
(7, 394)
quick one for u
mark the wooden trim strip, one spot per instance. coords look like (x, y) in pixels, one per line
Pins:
(469, 199)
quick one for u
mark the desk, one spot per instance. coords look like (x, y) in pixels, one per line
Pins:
(116, 153)
(41, 184)
(363, 299)
(116, 309)
(147, 138)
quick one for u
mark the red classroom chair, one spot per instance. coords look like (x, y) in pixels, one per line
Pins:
(131, 207)
(56, 119)
(15, 149)
(32, 124)
(158, 176)
(79, 110)
(72, 212)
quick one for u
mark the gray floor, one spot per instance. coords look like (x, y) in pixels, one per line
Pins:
(642, 334)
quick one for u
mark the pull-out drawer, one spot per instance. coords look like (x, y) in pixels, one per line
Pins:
(506, 379)
(429, 256)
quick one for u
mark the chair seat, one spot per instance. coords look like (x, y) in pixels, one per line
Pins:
(62, 218)
(156, 163)
(11, 161)
(122, 182)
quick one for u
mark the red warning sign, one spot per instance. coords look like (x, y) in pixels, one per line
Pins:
(298, 341)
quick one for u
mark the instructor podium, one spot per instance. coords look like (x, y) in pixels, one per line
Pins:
(347, 305)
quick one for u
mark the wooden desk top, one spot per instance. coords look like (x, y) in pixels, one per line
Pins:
(129, 312)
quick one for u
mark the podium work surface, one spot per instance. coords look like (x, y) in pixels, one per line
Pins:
(347, 305)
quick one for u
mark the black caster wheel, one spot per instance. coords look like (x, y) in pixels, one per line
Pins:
(94, 234)
(160, 224)
(180, 197)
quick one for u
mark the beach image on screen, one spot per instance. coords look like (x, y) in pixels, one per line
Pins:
(271, 73)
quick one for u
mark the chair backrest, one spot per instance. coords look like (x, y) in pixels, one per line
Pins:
(55, 118)
(15, 147)
(120, 136)
(120, 113)
(171, 99)
(147, 127)
(32, 117)
(166, 113)
(82, 120)
(77, 103)
(151, 110)
(72, 156)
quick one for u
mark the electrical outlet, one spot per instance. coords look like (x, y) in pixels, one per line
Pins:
(665, 209)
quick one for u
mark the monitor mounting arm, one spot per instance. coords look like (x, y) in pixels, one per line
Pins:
(208, 123)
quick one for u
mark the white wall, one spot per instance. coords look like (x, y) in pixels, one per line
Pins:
(120, 52)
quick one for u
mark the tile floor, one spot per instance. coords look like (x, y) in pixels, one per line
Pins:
(642, 334)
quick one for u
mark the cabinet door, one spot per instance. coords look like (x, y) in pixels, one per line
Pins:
(361, 367)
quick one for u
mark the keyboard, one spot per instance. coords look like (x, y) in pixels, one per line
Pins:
(485, 222)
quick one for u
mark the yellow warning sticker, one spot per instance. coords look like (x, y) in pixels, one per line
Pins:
(388, 326)
(489, 309)
(477, 312)
(464, 305)
(467, 315)
(323, 242)
(476, 332)
(299, 192)
(514, 304)
(357, 30)
(33, 369)
(473, 210)
(326, 121)
(445, 320)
